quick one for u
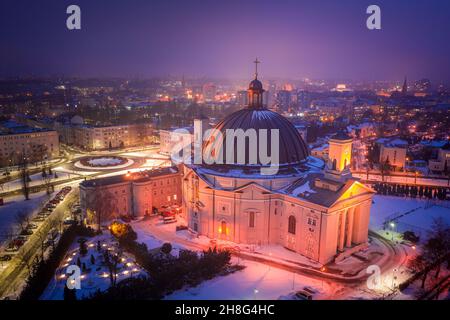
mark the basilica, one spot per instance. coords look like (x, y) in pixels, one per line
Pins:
(313, 208)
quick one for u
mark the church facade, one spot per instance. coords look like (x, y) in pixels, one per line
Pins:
(315, 209)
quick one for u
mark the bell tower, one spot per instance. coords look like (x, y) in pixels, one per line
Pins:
(339, 157)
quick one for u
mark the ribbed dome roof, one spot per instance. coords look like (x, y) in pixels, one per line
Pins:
(292, 148)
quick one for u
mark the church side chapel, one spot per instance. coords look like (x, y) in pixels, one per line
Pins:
(317, 210)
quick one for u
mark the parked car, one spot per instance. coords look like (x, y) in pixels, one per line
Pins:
(69, 221)
(11, 248)
(169, 219)
(32, 226)
(26, 232)
(167, 214)
(307, 293)
(38, 218)
(5, 258)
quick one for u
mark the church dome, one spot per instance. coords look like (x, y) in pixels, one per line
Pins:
(255, 85)
(292, 149)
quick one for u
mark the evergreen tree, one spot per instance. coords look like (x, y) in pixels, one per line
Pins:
(69, 294)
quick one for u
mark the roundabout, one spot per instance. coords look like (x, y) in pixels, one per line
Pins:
(103, 162)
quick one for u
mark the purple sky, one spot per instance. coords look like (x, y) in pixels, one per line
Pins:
(317, 39)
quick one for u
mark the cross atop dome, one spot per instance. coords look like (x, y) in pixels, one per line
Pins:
(256, 67)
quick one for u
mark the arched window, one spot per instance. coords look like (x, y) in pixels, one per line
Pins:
(291, 224)
(251, 219)
(334, 164)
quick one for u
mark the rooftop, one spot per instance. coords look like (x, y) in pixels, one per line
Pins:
(141, 176)
(12, 127)
(306, 189)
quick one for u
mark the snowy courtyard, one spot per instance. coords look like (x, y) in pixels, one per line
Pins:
(256, 281)
(407, 213)
(95, 274)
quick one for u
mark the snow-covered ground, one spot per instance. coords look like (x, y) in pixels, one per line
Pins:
(78, 172)
(17, 203)
(14, 205)
(36, 179)
(96, 276)
(256, 281)
(105, 163)
(145, 154)
(418, 214)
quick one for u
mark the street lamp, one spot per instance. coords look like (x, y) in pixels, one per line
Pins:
(392, 225)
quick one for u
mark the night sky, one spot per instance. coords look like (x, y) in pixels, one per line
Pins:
(293, 39)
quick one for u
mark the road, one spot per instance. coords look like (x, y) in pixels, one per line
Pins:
(16, 272)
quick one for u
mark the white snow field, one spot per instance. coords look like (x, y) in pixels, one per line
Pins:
(256, 281)
(407, 213)
(104, 163)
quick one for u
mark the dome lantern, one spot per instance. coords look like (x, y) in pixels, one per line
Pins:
(255, 90)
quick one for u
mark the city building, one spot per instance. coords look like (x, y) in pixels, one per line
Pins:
(321, 151)
(133, 194)
(314, 209)
(303, 130)
(89, 137)
(19, 140)
(393, 151)
(363, 130)
(242, 98)
(442, 163)
(181, 137)
(209, 92)
(283, 100)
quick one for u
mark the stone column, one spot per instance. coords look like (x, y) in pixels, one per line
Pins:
(342, 231)
(350, 216)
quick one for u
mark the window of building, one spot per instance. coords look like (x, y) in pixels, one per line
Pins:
(291, 224)
(174, 197)
(251, 219)
(223, 227)
(312, 222)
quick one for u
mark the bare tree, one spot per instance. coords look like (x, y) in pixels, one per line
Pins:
(47, 181)
(24, 176)
(42, 236)
(24, 261)
(437, 246)
(385, 168)
(7, 233)
(103, 205)
(420, 264)
(21, 219)
(112, 262)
